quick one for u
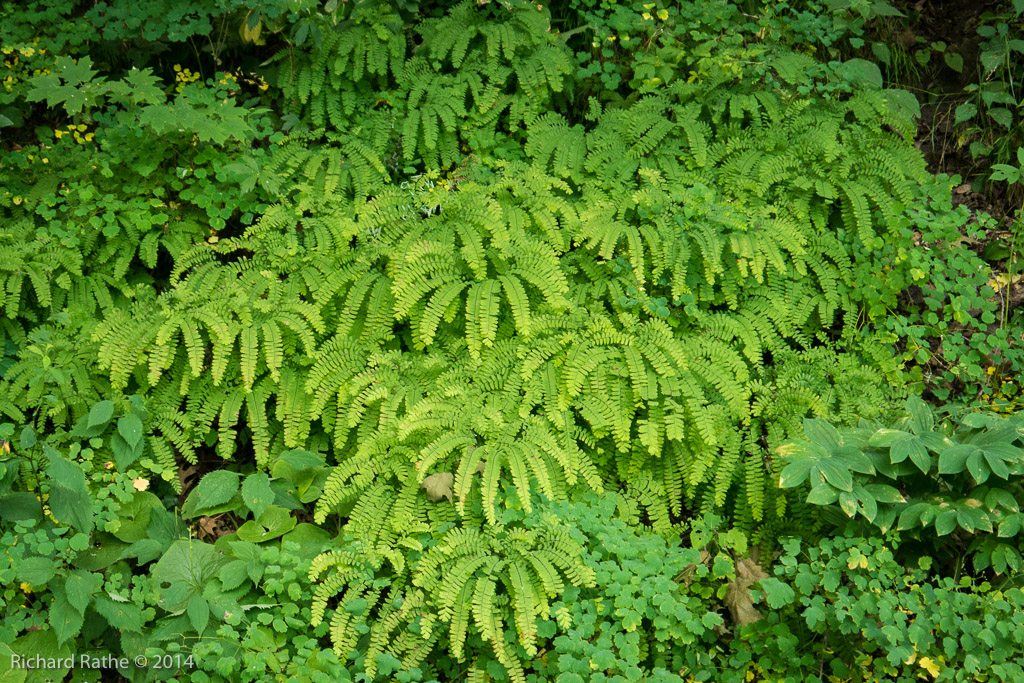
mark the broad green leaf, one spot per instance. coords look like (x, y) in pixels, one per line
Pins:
(19, 506)
(822, 433)
(881, 52)
(965, 112)
(274, 522)
(124, 455)
(977, 467)
(80, 587)
(356, 606)
(945, 522)
(911, 516)
(135, 516)
(953, 459)
(65, 619)
(867, 502)
(191, 563)
(1002, 116)
(861, 72)
(1001, 498)
(28, 438)
(883, 493)
(101, 413)
(70, 502)
(854, 459)
(256, 493)
(903, 103)
(965, 520)
(233, 574)
(997, 465)
(922, 419)
(36, 571)
(836, 475)
(130, 429)
(43, 643)
(883, 438)
(104, 550)
(823, 495)
(886, 517)
(216, 488)
(9, 674)
(848, 503)
(198, 612)
(122, 616)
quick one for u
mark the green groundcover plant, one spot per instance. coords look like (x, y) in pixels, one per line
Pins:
(437, 342)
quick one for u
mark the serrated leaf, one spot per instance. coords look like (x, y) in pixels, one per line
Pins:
(69, 500)
(198, 612)
(80, 587)
(1002, 116)
(65, 619)
(965, 112)
(121, 617)
(36, 571)
(233, 574)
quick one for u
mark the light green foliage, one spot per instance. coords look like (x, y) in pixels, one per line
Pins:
(407, 345)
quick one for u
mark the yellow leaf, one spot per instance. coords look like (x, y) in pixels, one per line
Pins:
(663, 14)
(1003, 280)
(930, 665)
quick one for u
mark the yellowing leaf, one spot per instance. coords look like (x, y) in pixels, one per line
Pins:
(439, 486)
(1004, 280)
(663, 14)
(930, 665)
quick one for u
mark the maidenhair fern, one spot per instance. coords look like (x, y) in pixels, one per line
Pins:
(643, 299)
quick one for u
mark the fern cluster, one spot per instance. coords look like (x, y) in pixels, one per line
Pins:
(472, 297)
